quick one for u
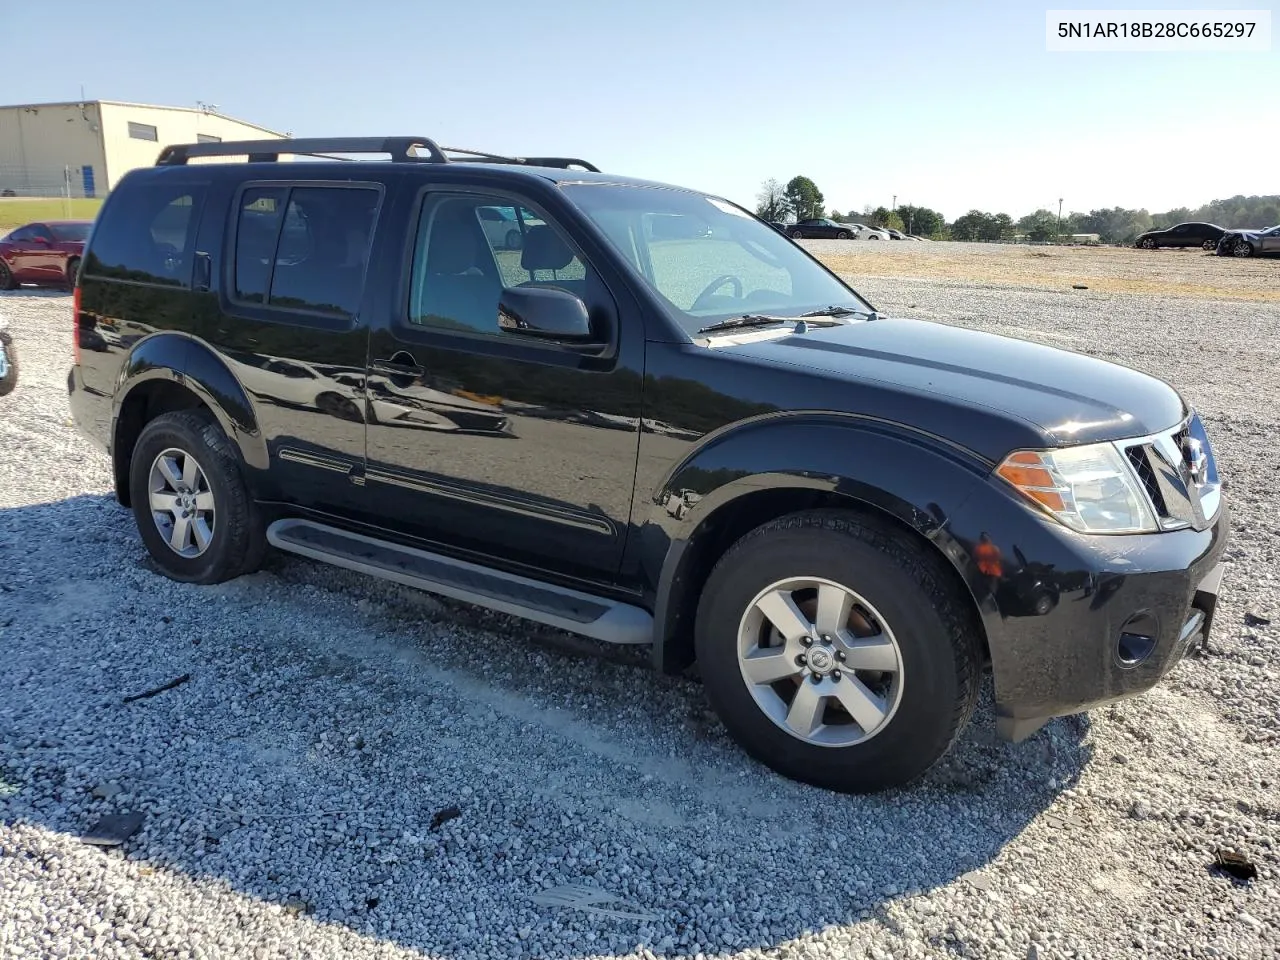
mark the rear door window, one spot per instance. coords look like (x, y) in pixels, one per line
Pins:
(147, 234)
(304, 248)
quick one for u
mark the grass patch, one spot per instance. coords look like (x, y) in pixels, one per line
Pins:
(15, 211)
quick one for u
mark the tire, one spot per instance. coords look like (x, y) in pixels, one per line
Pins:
(1243, 248)
(1209, 245)
(514, 240)
(6, 277)
(73, 271)
(874, 236)
(842, 235)
(1150, 244)
(10, 379)
(236, 541)
(927, 630)
(796, 235)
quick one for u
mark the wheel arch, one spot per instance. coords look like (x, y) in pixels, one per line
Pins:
(908, 481)
(169, 372)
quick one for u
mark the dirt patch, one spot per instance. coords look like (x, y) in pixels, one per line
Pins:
(1183, 273)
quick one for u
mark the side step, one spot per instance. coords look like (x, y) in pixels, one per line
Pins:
(580, 613)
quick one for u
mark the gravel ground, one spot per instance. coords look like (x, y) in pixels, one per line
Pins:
(357, 770)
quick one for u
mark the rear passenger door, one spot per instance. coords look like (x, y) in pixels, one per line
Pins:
(290, 327)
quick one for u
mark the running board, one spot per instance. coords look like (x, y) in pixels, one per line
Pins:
(580, 613)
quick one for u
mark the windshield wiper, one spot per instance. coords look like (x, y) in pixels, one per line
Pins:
(807, 319)
(746, 320)
(841, 312)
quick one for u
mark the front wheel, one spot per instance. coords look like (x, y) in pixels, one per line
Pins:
(190, 501)
(73, 271)
(796, 235)
(842, 235)
(837, 652)
(7, 281)
(1243, 248)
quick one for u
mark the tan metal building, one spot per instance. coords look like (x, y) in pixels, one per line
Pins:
(82, 149)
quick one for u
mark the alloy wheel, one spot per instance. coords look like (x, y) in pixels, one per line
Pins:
(181, 502)
(820, 662)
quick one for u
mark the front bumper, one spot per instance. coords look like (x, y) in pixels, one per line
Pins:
(1076, 622)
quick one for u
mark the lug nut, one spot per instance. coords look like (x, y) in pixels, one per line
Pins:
(835, 674)
(806, 641)
(816, 678)
(801, 660)
(840, 655)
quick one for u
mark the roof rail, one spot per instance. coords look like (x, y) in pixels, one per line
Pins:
(401, 149)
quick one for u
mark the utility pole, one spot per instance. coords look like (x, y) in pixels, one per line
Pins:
(1059, 220)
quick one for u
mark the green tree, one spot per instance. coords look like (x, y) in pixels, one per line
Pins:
(999, 227)
(1039, 226)
(972, 226)
(804, 197)
(920, 221)
(771, 202)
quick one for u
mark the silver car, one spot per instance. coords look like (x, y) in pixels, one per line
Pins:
(1250, 243)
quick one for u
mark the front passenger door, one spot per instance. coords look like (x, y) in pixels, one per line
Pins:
(518, 448)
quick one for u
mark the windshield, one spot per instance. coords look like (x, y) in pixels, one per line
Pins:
(69, 231)
(706, 258)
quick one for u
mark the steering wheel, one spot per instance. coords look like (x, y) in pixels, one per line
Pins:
(715, 285)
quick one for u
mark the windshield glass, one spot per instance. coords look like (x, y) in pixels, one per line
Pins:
(69, 231)
(706, 258)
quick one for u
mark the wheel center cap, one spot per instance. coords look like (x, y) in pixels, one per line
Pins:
(820, 659)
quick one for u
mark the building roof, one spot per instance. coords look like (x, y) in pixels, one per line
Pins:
(144, 106)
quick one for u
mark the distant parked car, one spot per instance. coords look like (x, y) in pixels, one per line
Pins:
(872, 233)
(1203, 235)
(45, 252)
(501, 229)
(822, 228)
(1249, 243)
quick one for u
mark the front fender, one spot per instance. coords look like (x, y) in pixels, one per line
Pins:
(193, 365)
(917, 478)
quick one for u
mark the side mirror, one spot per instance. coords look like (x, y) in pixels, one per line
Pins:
(544, 312)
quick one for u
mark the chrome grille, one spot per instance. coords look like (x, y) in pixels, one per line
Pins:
(1159, 463)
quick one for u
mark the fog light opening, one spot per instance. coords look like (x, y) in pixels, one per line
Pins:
(1138, 637)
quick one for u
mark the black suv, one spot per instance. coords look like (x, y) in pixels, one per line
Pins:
(652, 420)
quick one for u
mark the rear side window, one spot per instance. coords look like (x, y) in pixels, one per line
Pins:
(304, 248)
(146, 234)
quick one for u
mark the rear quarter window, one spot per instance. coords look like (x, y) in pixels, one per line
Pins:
(147, 234)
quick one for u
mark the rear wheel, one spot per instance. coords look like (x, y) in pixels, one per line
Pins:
(837, 652)
(842, 235)
(1209, 244)
(514, 240)
(190, 501)
(796, 235)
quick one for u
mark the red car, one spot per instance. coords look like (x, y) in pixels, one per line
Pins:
(44, 252)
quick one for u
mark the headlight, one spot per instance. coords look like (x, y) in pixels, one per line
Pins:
(1088, 488)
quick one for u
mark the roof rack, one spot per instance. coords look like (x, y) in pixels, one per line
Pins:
(401, 149)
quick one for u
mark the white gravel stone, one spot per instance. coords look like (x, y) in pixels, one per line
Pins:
(289, 788)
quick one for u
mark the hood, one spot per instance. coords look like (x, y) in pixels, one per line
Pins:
(1063, 397)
